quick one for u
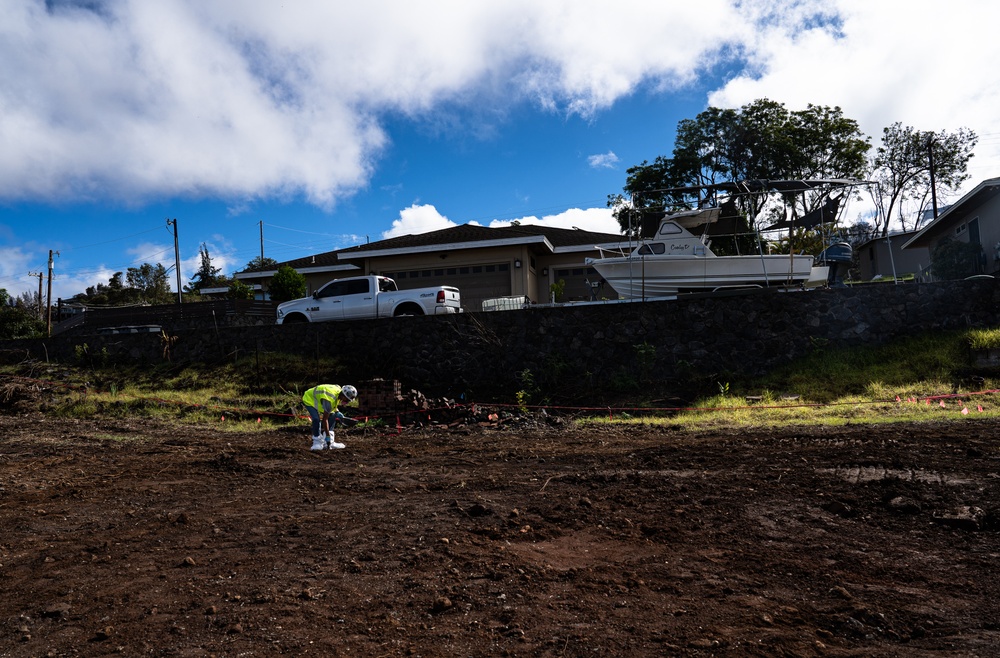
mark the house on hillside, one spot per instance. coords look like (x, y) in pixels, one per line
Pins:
(482, 262)
(972, 220)
(885, 258)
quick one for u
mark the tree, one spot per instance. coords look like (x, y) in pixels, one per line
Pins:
(31, 302)
(149, 282)
(144, 284)
(239, 290)
(902, 168)
(261, 264)
(287, 284)
(763, 140)
(17, 321)
(207, 276)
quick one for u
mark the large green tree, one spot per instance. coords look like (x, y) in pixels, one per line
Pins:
(760, 141)
(146, 284)
(902, 165)
(287, 283)
(18, 321)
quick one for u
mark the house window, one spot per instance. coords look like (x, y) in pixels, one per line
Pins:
(974, 231)
(959, 230)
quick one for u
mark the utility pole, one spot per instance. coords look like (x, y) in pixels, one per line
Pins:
(41, 309)
(262, 243)
(177, 258)
(930, 158)
(48, 303)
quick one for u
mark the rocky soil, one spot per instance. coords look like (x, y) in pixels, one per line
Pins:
(517, 539)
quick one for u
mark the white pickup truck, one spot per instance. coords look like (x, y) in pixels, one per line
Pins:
(368, 297)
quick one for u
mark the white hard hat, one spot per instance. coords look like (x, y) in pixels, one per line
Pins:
(349, 392)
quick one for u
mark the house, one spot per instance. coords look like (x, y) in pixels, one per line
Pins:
(482, 262)
(973, 219)
(885, 258)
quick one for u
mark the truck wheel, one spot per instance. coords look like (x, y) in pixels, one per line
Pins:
(295, 318)
(407, 309)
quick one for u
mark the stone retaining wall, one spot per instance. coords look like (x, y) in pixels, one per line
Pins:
(575, 350)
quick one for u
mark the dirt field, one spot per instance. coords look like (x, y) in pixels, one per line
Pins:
(530, 538)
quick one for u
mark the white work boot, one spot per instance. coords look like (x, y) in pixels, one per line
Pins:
(332, 444)
(319, 443)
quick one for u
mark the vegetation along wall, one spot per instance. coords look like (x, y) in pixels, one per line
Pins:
(571, 352)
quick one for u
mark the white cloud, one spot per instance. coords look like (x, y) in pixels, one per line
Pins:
(927, 65)
(252, 99)
(426, 218)
(418, 219)
(598, 220)
(249, 99)
(603, 160)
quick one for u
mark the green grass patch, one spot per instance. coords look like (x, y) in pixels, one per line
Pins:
(984, 339)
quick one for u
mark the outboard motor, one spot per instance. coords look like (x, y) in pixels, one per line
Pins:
(838, 257)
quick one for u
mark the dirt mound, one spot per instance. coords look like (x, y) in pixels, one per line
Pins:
(539, 539)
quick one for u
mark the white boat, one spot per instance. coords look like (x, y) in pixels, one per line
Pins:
(674, 260)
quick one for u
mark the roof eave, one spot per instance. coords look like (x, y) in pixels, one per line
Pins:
(921, 239)
(450, 246)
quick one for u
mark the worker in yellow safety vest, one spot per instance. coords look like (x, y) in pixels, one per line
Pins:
(321, 403)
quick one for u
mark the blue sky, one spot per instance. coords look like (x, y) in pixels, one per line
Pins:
(334, 123)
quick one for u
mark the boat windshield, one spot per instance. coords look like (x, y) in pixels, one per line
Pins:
(652, 248)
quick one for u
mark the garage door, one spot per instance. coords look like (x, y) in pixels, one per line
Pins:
(475, 282)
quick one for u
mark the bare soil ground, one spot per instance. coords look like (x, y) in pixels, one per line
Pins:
(522, 539)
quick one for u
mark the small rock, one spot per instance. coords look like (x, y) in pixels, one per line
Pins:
(103, 634)
(56, 611)
(441, 604)
(188, 562)
(962, 518)
(841, 592)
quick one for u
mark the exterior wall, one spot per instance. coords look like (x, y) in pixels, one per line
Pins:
(988, 215)
(532, 279)
(989, 230)
(576, 350)
(875, 260)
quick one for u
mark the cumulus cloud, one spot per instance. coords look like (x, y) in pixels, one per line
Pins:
(133, 100)
(925, 65)
(418, 219)
(426, 218)
(598, 220)
(603, 160)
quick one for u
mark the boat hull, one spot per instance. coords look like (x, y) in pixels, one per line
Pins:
(652, 277)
